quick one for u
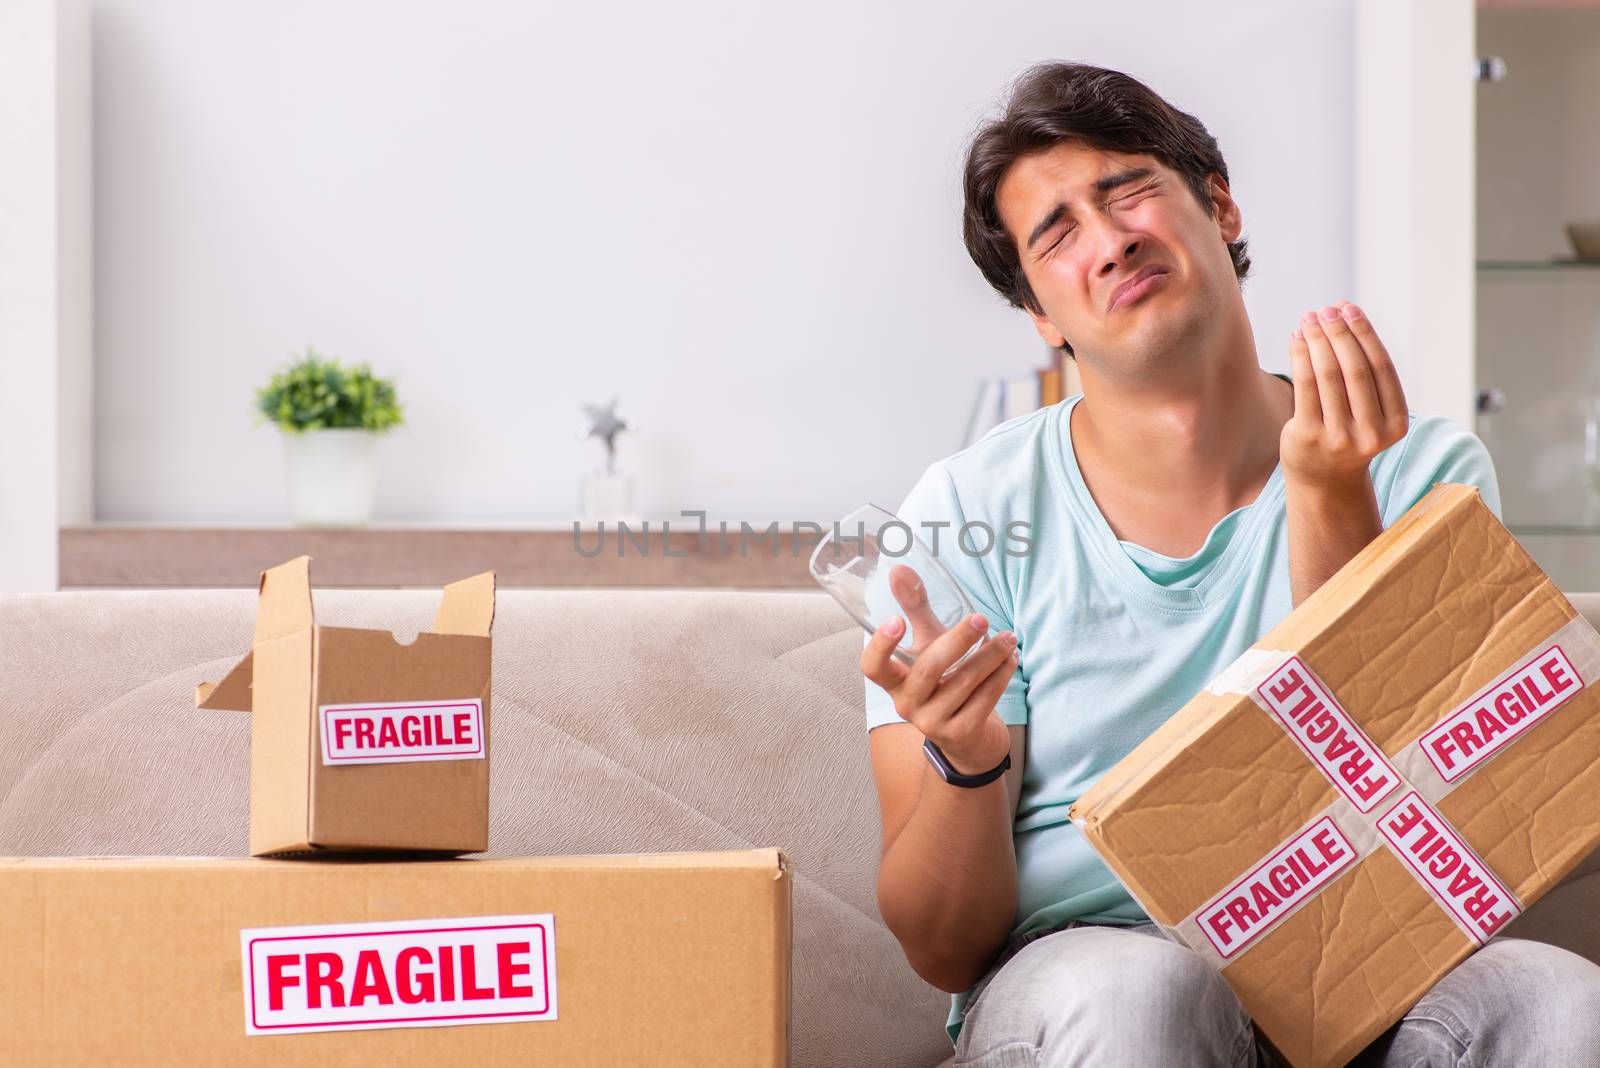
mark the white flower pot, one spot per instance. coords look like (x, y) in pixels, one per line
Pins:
(332, 476)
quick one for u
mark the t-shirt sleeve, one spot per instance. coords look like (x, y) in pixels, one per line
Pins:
(933, 500)
(1436, 450)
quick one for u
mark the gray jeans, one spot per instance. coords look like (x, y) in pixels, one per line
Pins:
(1096, 995)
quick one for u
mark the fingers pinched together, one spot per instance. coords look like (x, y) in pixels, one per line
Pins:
(1348, 402)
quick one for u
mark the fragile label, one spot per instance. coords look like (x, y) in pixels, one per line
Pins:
(419, 973)
(1356, 767)
(399, 733)
(1299, 868)
(1432, 850)
(1507, 708)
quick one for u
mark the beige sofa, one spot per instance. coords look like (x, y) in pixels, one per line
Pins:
(630, 721)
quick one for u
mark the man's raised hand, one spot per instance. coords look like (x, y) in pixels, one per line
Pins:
(1348, 404)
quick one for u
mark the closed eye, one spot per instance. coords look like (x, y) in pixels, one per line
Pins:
(1057, 242)
(1150, 188)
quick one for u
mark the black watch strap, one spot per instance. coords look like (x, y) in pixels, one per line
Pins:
(955, 778)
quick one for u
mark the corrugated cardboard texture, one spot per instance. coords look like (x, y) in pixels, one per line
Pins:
(664, 959)
(298, 803)
(281, 690)
(467, 607)
(1422, 619)
(441, 804)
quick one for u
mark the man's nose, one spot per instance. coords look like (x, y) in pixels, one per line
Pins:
(1123, 248)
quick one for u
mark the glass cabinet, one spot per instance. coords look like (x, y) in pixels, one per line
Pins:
(1537, 289)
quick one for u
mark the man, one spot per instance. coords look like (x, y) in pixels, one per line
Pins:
(1177, 508)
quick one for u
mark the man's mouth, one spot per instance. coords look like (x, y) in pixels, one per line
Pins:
(1137, 286)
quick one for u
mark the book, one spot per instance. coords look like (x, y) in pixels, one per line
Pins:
(987, 408)
(1021, 397)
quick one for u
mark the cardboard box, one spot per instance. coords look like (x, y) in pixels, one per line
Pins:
(356, 741)
(662, 959)
(1374, 789)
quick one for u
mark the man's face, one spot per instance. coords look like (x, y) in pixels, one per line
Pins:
(1086, 221)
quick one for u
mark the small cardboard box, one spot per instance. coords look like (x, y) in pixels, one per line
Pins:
(1374, 789)
(356, 741)
(670, 959)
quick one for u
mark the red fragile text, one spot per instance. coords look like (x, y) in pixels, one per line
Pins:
(1508, 707)
(406, 732)
(431, 973)
(419, 974)
(393, 733)
(1443, 862)
(1328, 735)
(1295, 871)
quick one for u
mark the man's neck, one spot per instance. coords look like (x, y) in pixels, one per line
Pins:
(1198, 437)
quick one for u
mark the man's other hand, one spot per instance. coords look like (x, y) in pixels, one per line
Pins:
(1348, 404)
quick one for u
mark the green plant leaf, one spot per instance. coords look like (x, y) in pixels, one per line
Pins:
(313, 392)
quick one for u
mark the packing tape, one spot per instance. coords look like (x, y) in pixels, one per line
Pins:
(1285, 881)
(1248, 670)
(1382, 800)
(1575, 643)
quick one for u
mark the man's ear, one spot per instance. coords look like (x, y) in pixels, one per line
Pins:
(1225, 209)
(1047, 330)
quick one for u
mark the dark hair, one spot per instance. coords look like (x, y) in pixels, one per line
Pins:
(1052, 103)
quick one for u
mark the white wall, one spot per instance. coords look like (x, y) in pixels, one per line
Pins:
(46, 312)
(1414, 193)
(741, 218)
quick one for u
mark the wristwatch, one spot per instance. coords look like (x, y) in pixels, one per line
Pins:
(950, 775)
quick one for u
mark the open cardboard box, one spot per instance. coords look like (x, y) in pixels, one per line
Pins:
(358, 742)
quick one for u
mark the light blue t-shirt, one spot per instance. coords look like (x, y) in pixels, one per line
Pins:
(1115, 638)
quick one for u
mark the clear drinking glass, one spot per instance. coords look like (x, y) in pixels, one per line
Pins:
(872, 563)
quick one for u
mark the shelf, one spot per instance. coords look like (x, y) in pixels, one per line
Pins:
(1487, 266)
(1556, 530)
(136, 555)
(455, 525)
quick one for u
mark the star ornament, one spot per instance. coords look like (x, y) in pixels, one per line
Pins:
(605, 425)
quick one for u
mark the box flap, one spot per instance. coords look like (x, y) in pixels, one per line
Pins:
(285, 602)
(232, 694)
(467, 607)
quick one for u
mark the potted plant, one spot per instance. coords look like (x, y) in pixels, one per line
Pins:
(330, 416)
